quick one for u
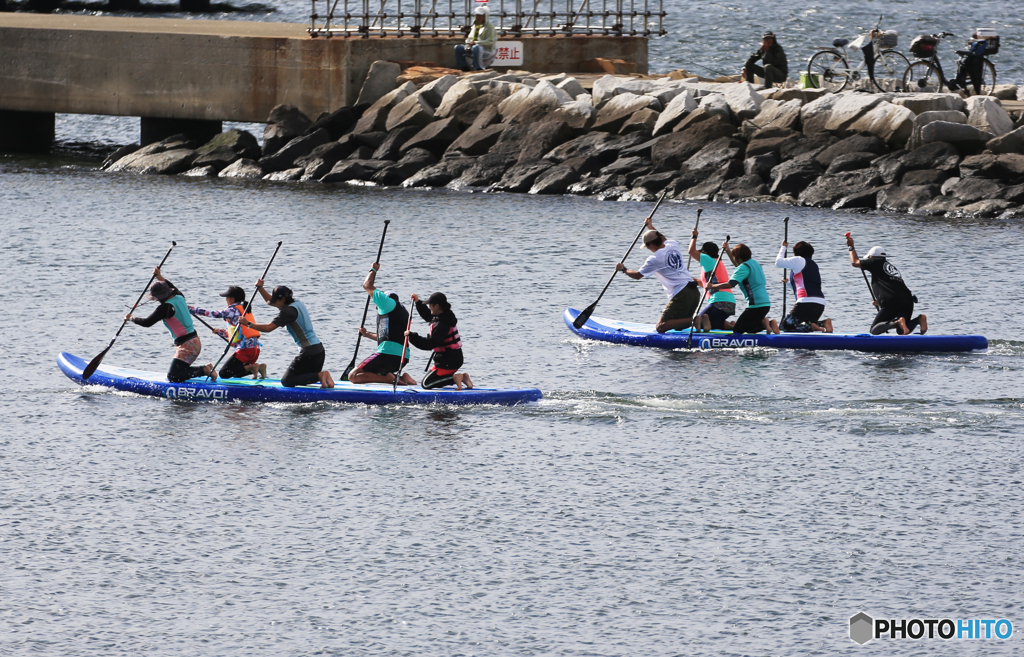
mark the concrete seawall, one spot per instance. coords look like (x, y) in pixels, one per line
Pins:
(222, 70)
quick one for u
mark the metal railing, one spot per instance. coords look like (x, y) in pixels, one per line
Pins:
(415, 18)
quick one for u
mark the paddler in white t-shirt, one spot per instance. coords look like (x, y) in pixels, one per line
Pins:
(666, 263)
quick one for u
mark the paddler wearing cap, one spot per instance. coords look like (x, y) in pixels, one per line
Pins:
(443, 339)
(775, 69)
(392, 320)
(666, 263)
(292, 314)
(480, 43)
(894, 300)
(173, 311)
(244, 340)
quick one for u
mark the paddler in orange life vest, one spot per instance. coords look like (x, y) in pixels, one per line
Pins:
(174, 313)
(244, 340)
(721, 304)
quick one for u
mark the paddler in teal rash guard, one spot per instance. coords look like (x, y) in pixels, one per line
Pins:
(173, 311)
(305, 368)
(750, 277)
(392, 321)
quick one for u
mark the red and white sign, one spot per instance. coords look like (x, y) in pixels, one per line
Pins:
(508, 53)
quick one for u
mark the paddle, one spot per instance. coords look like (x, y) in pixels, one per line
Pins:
(689, 258)
(689, 338)
(203, 322)
(582, 318)
(95, 362)
(784, 281)
(245, 311)
(865, 275)
(405, 345)
(366, 309)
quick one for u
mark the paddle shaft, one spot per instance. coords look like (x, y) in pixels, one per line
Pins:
(785, 283)
(689, 258)
(95, 362)
(203, 322)
(245, 310)
(866, 282)
(589, 310)
(366, 308)
(405, 345)
(689, 338)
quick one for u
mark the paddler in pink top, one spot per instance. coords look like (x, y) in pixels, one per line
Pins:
(721, 304)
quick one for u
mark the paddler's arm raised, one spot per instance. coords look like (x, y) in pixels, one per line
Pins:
(262, 291)
(371, 277)
(693, 252)
(728, 251)
(854, 260)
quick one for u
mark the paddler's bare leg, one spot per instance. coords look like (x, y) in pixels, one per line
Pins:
(901, 326)
(922, 321)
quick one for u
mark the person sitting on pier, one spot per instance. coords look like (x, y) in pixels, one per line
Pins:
(292, 314)
(666, 264)
(244, 340)
(721, 304)
(480, 43)
(894, 300)
(775, 69)
(173, 311)
(750, 277)
(805, 280)
(392, 322)
(443, 339)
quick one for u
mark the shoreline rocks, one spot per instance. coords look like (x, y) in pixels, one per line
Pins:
(631, 139)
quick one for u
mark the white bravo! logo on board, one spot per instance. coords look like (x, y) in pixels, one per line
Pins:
(175, 393)
(708, 343)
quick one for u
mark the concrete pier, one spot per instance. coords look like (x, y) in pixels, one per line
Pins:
(212, 71)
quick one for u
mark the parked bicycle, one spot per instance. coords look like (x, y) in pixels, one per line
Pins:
(926, 74)
(830, 68)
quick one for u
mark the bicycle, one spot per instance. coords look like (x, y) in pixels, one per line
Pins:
(832, 65)
(926, 74)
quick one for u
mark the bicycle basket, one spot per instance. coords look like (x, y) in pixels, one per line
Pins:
(889, 39)
(923, 46)
(993, 46)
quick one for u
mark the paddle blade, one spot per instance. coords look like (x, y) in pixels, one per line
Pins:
(90, 369)
(351, 366)
(582, 318)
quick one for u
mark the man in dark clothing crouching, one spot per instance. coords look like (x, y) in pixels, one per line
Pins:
(775, 69)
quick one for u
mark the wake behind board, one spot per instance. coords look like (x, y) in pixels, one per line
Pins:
(155, 384)
(644, 335)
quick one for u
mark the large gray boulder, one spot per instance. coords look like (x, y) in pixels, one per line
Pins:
(779, 114)
(374, 119)
(241, 142)
(743, 187)
(744, 100)
(828, 190)
(1010, 142)
(815, 115)
(602, 144)
(772, 140)
(520, 178)
(487, 170)
(1008, 167)
(925, 118)
(853, 161)
(641, 121)
(285, 176)
(861, 143)
(467, 112)
(616, 111)
(293, 150)
(458, 94)
(435, 138)
(918, 103)
(166, 163)
(381, 79)
(244, 168)
(982, 209)
(413, 161)
(677, 108)
(479, 137)
(985, 113)
(434, 91)
(892, 123)
(330, 153)
(760, 165)
(286, 122)
(899, 198)
(440, 174)
(925, 177)
(578, 115)
(391, 147)
(674, 149)
(969, 190)
(347, 170)
(412, 111)
(794, 176)
(960, 134)
(557, 179)
(936, 155)
(543, 138)
(849, 109)
(571, 86)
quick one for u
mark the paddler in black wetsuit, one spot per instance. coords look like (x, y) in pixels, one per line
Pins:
(173, 311)
(392, 321)
(893, 298)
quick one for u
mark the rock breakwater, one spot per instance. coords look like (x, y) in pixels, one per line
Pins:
(631, 139)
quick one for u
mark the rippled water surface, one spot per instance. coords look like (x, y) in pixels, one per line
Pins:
(655, 503)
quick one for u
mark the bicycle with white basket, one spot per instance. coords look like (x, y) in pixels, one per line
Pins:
(830, 68)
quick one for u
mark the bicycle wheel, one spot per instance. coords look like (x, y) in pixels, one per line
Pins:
(831, 68)
(890, 66)
(922, 76)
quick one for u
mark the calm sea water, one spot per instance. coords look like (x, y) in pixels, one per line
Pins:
(655, 503)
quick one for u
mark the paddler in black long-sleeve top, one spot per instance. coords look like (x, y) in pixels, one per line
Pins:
(443, 339)
(173, 311)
